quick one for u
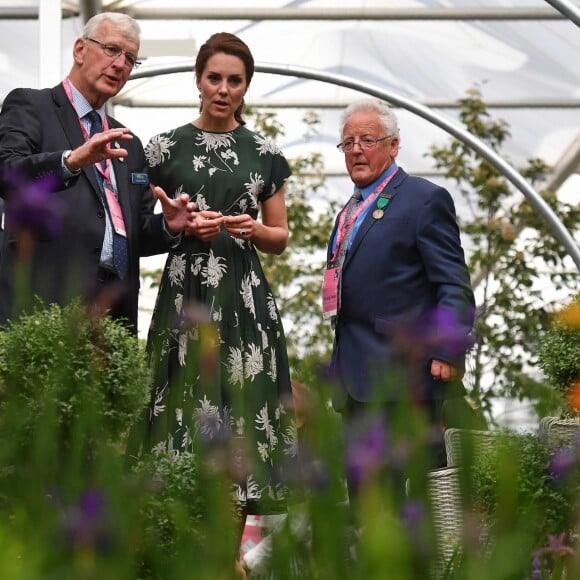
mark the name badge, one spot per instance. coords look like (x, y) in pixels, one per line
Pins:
(139, 178)
(331, 292)
(115, 211)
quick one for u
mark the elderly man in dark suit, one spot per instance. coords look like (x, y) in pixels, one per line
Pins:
(61, 141)
(396, 286)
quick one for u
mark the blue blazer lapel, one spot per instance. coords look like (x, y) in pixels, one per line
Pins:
(369, 221)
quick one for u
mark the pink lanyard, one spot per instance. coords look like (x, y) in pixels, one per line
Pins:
(343, 227)
(106, 173)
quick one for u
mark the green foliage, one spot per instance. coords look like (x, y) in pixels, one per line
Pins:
(178, 516)
(64, 514)
(512, 248)
(559, 352)
(175, 499)
(59, 360)
(517, 485)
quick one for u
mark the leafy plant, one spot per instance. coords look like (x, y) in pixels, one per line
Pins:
(178, 515)
(512, 250)
(559, 353)
(60, 361)
(525, 487)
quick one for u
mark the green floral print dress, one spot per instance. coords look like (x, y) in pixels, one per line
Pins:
(226, 379)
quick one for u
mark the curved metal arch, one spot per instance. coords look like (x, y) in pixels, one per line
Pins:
(538, 203)
(567, 9)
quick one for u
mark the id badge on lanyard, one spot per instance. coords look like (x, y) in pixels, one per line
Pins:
(331, 292)
(115, 210)
(332, 279)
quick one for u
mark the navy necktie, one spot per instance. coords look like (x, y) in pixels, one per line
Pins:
(349, 210)
(120, 249)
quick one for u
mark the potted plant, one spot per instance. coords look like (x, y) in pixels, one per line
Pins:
(527, 493)
(559, 356)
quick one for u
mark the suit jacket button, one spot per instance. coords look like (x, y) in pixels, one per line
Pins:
(101, 214)
(97, 250)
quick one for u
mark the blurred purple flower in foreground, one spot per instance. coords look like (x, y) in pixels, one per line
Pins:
(413, 513)
(87, 524)
(32, 206)
(557, 548)
(557, 545)
(563, 462)
(366, 453)
(445, 327)
(440, 331)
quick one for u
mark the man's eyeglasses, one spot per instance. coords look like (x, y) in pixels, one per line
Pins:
(364, 143)
(114, 52)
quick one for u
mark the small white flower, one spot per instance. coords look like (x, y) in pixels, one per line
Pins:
(247, 295)
(272, 307)
(266, 145)
(264, 451)
(196, 265)
(177, 270)
(157, 149)
(214, 141)
(182, 349)
(199, 162)
(254, 362)
(255, 187)
(207, 418)
(273, 372)
(214, 271)
(290, 438)
(252, 488)
(235, 367)
(178, 303)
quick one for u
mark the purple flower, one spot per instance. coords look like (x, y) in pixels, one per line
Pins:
(413, 514)
(538, 565)
(366, 452)
(439, 332)
(92, 504)
(86, 523)
(562, 463)
(445, 328)
(32, 206)
(414, 517)
(557, 545)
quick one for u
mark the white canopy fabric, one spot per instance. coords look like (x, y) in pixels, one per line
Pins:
(526, 69)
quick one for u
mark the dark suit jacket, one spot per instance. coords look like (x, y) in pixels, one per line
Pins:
(399, 270)
(36, 126)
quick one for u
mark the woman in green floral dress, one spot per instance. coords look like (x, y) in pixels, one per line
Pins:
(228, 379)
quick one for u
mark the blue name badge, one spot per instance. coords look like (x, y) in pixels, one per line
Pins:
(139, 179)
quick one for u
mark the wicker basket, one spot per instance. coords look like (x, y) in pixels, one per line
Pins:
(556, 432)
(445, 496)
(456, 440)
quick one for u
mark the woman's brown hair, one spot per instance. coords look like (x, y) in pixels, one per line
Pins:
(224, 42)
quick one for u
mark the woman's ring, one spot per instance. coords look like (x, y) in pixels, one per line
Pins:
(242, 233)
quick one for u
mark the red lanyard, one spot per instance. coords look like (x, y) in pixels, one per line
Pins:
(343, 228)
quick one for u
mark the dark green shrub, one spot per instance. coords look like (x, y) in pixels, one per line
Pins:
(184, 507)
(58, 365)
(521, 484)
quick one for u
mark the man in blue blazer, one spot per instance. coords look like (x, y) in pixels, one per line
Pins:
(94, 172)
(396, 286)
